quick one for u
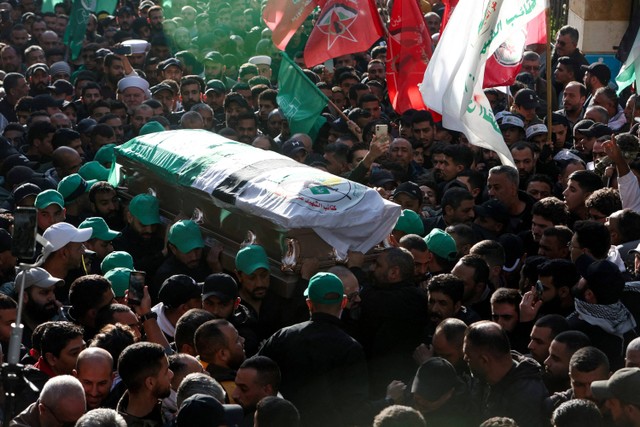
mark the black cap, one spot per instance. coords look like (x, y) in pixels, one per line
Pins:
(35, 67)
(583, 126)
(61, 86)
(434, 379)
(291, 147)
(86, 125)
(16, 160)
(599, 130)
(124, 10)
(168, 63)
(526, 98)
(201, 410)
(410, 188)
(160, 87)
(605, 279)
(19, 175)
(220, 285)
(42, 102)
(177, 290)
(494, 209)
(600, 70)
(25, 190)
(381, 177)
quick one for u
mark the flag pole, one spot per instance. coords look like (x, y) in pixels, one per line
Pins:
(549, 75)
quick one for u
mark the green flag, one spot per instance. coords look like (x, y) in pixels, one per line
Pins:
(77, 28)
(299, 99)
(629, 73)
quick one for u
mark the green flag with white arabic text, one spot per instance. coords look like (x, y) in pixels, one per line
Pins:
(299, 99)
(77, 28)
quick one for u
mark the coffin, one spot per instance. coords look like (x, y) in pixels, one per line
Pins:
(241, 195)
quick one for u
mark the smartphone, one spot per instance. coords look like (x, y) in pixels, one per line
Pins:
(539, 289)
(23, 244)
(136, 287)
(382, 130)
(122, 50)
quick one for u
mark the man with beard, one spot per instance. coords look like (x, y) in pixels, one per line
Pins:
(525, 161)
(144, 369)
(474, 273)
(221, 352)
(214, 68)
(587, 365)
(185, 256)
(509, 384)
(599, 312)
(234, 106)
(113, 71)
(351, 311)
(444, 295)
(39, 79)
(556, 278)
(65, 253)
(191, 89)
(155, 16)
(268, 311)
(620, 395)
(257, 378)
(573, 99)
(105, 203)
(449, 161)
(140, 237)
(40, 304)
(546, 213)
(457, 208)
(15, 87)
(421, 256)
(393, 316)
(247, 127)
(556, 366)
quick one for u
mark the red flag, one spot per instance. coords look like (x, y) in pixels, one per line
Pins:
(408, 53)
(343, 27)
(284, 17)
(505, 64)
(449, 5)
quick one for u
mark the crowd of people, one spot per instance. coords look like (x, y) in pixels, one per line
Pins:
(504, 296)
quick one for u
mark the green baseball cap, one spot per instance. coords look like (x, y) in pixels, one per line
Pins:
(94, 170)
(119, 278)
(250, 258)
(100, 229)
(186, 236)
(325, 288)
(146, 209)
(116, 259)
(410, 222)
(442, 244)
(47, 198)
(106, 154)
(151, 127)
(73, 186)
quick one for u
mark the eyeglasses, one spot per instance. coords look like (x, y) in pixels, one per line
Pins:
(353, 295)
(60, 422)
(497, 317)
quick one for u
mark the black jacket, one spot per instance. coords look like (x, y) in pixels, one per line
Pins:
(324, 372)
(391, 326)
(520, 395)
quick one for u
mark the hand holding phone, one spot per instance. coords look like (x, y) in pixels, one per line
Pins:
(136, 287)
(23, 243)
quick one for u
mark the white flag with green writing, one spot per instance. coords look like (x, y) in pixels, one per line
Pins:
(452, 84)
